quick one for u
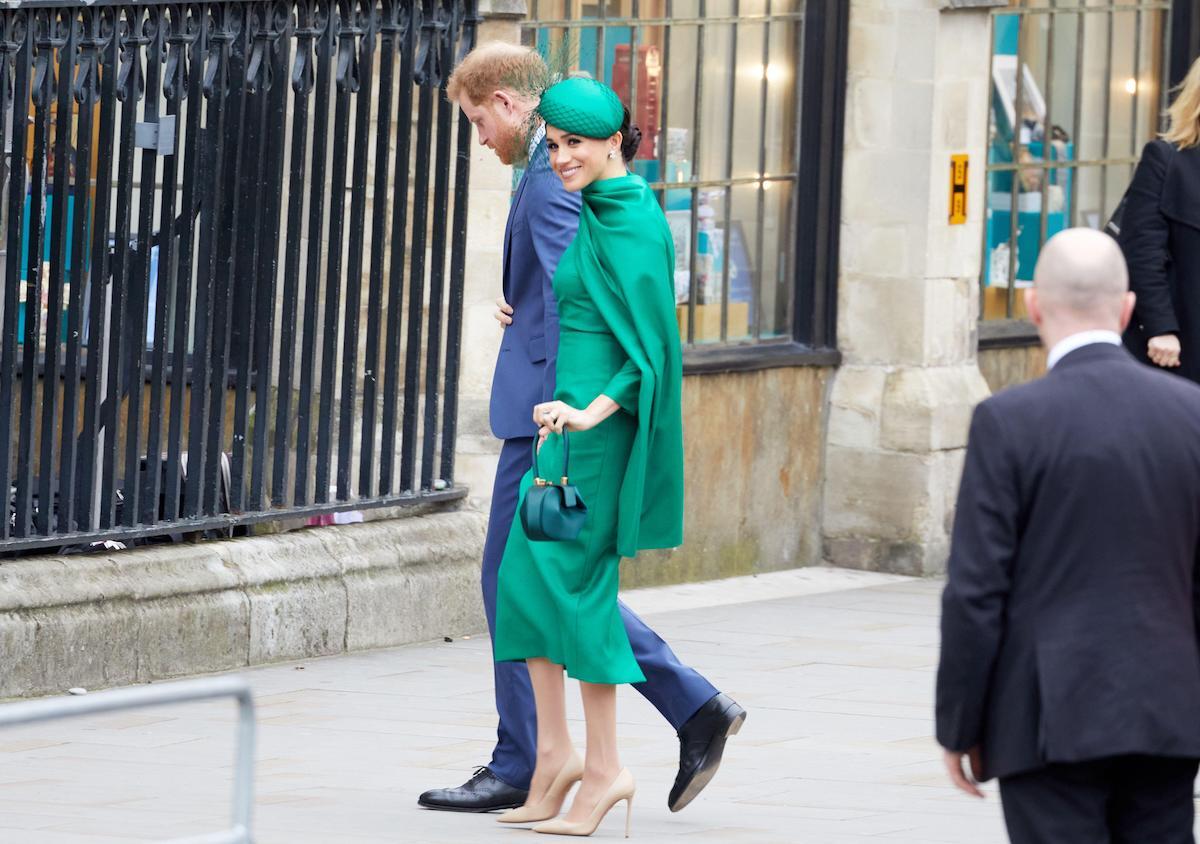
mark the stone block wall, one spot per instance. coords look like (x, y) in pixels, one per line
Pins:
(754, 459)
(169, 610)
(908, 284)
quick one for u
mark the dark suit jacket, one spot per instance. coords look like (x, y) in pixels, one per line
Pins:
(1069, 618)
(542, 221)
(1160, 235)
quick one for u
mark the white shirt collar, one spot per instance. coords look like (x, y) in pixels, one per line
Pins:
(1069, 344)
(538, 135)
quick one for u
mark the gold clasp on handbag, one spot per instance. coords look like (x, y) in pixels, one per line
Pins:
(564, 480)
(540, 482)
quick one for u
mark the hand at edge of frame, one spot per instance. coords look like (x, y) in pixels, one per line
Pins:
(503, 312)
(968, 783)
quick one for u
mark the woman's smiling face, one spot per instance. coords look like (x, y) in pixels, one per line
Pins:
(577, 160)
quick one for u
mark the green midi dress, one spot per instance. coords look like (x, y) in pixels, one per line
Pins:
(617, 337)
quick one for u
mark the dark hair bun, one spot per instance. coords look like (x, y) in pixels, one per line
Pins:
(630, 141)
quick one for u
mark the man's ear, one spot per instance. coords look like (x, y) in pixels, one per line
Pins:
(1128, 302)
(1032, 306)
(503, 101)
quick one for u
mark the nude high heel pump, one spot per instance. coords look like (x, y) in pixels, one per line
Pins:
(621, 789)
(552, 801)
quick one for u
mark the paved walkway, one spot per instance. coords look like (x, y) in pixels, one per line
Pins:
(836, 669)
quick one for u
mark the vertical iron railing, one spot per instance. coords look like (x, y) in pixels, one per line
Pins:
(213, 302)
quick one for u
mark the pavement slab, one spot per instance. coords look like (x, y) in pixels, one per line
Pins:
(835, 667)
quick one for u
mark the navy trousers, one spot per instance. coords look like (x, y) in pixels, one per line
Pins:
(1118, 800)
(674, 689)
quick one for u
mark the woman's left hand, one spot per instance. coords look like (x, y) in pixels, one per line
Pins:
(556, 415)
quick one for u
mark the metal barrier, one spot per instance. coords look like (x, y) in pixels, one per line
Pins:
(187, 691)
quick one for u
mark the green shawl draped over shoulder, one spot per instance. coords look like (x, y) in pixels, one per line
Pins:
(626, 258)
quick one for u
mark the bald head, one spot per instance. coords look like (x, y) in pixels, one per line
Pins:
(1080, 284)
(1081, 275)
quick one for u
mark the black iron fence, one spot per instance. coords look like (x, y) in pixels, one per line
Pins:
(232, 269)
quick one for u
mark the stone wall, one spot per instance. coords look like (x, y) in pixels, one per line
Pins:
(754, 455)
(168, 610)
(908, 284)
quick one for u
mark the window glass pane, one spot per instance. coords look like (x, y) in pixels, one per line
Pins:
(748, 124)
(721, 8)
(554, 9)
(681, 103)
(778, 249)
(679, 10)
(702, 259)
(640, 86)
(1087, 196)
(1064, 76)
(1089, 97)
(781, 115)
(619, 70)
(592, 41)
(1093, 88)
(714, 92)
(746, 280)
(1005, 273)
(1122, 81)
(716, 116)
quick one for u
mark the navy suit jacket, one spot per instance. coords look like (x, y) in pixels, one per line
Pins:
(1069, 622)
(541, 224)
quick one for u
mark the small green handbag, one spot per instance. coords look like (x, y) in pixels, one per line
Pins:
(552, 512)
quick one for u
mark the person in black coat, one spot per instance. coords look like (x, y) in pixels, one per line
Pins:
(1070, 667)
(1160, 235)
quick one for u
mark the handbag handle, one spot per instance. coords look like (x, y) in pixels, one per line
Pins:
(537, 474)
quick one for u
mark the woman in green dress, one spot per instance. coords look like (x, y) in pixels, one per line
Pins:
(618, 382)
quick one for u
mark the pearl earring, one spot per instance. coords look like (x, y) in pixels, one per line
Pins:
(612, 153)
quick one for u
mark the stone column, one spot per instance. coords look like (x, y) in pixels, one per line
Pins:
(908, 296)
(487, 212)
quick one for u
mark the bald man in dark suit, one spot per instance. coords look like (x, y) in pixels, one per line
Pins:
(1070, 667)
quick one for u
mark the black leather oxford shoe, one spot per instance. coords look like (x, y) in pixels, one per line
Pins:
(701, 744)
(484, 792)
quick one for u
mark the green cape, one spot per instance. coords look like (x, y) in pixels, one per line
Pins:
(626, 258)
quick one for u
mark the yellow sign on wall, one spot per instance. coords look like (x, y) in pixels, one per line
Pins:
(958, 189)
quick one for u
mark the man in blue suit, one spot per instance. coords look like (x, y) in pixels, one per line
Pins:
(541, 223)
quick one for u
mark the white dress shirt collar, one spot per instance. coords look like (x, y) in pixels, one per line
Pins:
(538, 135)
(1069, 344)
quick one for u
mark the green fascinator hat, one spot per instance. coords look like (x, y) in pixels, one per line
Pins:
(582, 107)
